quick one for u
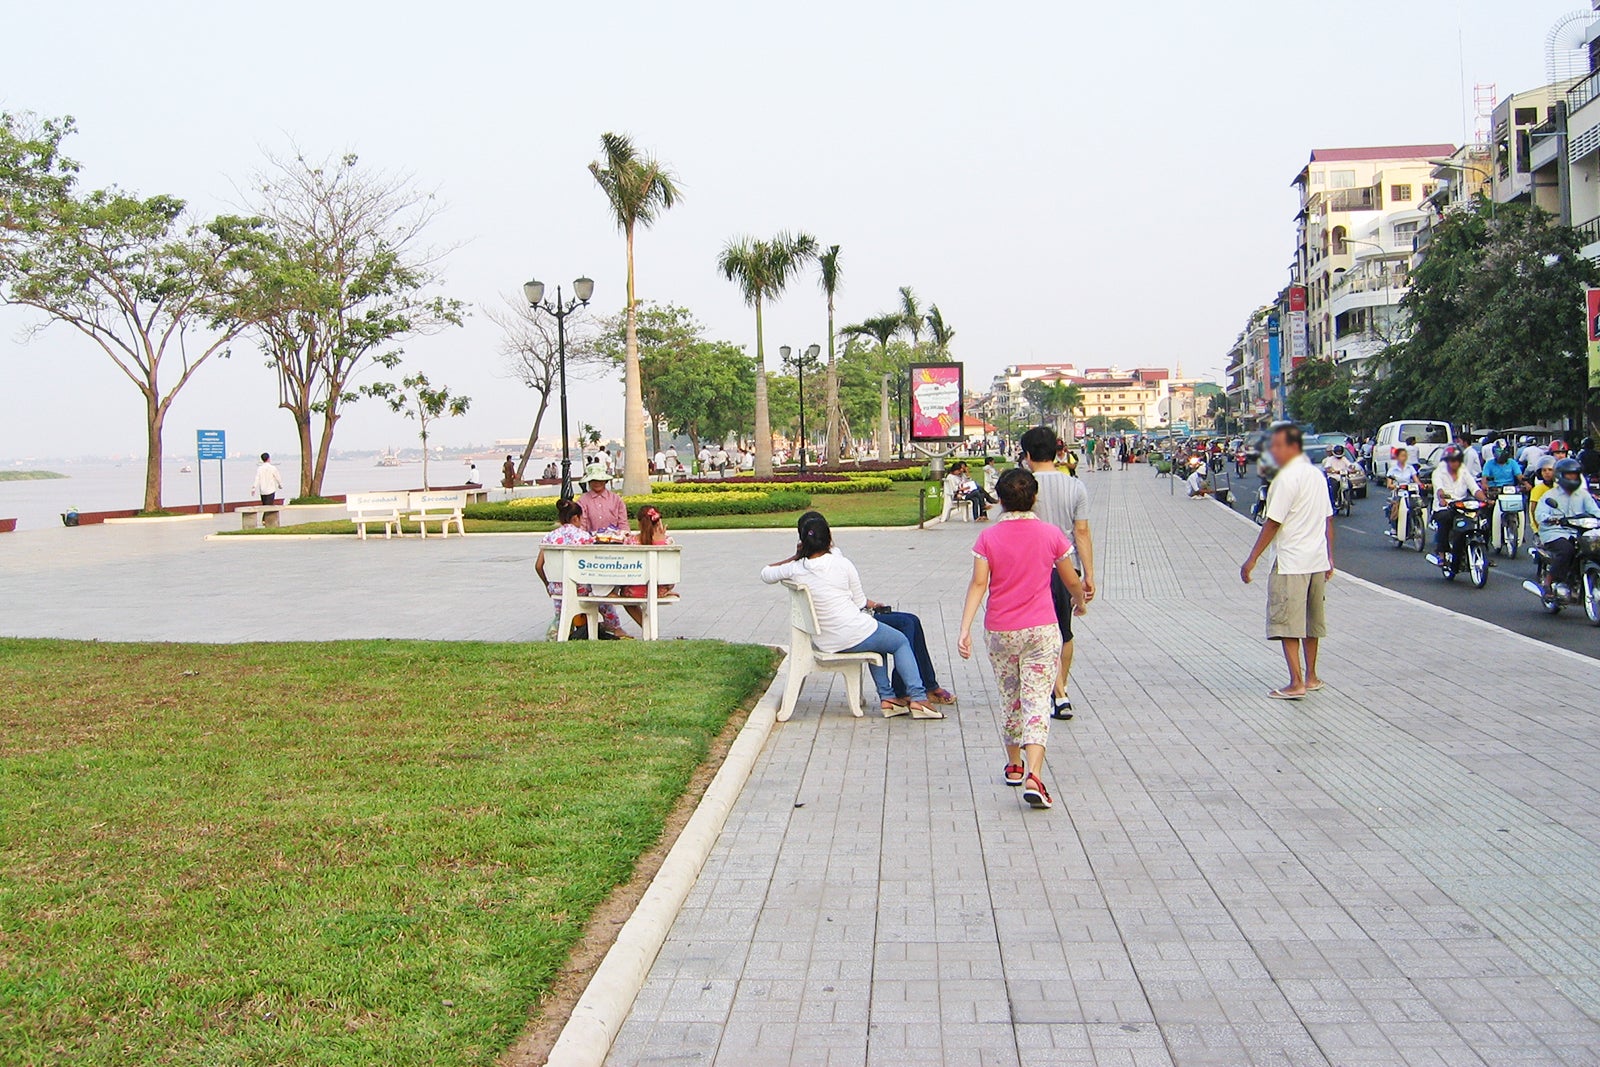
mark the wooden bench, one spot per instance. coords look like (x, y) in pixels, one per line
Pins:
(265, 514)
(804, 659)
(369, 508)
(443, 507)
(604, 568)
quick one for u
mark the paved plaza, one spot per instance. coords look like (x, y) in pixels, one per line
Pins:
(1403, 869)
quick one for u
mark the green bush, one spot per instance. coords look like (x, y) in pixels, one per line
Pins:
(749, 502)
(863, 484)
(905, 474)
(313, 500)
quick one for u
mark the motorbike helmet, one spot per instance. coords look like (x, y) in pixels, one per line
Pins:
(1452, 454)
(1524, 441)
(1338, 450)
(1570, 473)
(1559, 447)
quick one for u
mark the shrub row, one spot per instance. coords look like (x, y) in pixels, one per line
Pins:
(543, 508)
(863, 484)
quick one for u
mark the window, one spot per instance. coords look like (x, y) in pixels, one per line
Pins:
(1405, 233)
(1317, 179)
(1343, 179)
(1400, 194)
(1429, 188)
(1527, 116)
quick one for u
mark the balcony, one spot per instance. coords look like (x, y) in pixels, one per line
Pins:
(1589, 234)
(1583, 93)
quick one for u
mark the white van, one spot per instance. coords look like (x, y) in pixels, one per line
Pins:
(1423, 439)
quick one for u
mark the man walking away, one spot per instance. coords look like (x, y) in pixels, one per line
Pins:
(268, 482)
(1299, 517)
(1064, 502)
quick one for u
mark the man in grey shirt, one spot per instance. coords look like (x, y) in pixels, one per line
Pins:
(1064, 501)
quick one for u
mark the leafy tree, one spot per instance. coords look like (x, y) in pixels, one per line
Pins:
(1054, 401)
(663, 334)
(763, 269)
(882, 328)
(1497, 331)
(707, 393)
(532, 356)
(135, 275)
(418, 399)
(638, 188)
(911, 319)
(860, 383)
(340, 280)
(1320, 394)
(829, 274)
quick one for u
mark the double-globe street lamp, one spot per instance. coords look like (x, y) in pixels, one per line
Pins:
(798, 362)
(582, 290)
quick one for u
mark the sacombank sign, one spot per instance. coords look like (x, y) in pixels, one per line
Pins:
(614, 567)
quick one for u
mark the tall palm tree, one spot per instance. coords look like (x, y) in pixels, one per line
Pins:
(939, 331)
(829, 274)
(911, 318)
(882, 328)
(638, 188)
(763, 269)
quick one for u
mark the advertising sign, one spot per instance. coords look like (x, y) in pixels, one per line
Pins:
(1297, 298)
(1299, 341)
(1274, 352)
(936, 401)
(1592, 324)
(610, 568)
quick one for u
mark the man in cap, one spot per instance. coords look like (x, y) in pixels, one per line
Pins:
(602, 509)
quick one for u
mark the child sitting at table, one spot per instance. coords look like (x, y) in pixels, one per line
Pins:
(652, 531)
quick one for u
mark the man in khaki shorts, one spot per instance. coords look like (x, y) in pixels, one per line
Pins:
(1299, 517)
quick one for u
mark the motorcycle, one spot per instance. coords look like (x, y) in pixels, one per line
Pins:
(1467, 542)
(1339, 493)
(1580, 587)
(1509, 506)
(1239, 462)
(1412, 521)
(1258, 510)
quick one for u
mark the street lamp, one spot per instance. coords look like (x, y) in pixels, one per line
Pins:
(582, 290)
(798, 363)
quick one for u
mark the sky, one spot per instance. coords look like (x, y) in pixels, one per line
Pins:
(1099, 184)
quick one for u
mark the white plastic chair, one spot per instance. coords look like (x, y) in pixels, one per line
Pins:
(804, 659)
(962, 508)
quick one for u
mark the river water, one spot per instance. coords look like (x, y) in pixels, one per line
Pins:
(106, 486)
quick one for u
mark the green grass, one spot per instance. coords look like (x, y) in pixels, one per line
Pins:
(29, 476)
(334, 854)
(895, 507)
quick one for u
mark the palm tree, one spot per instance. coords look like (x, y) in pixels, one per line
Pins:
(639, 188)
(911, 318)
(829, 274)
(940, 332)
(882, 329)
(763, 269)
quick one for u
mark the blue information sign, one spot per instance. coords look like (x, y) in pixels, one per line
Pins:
(211, 444)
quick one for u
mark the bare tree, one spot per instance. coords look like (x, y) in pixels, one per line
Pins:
(532, 357)
(344, 280)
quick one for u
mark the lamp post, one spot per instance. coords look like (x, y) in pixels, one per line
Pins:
(582, 290)
(798, 362)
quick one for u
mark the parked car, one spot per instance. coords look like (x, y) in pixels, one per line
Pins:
(1430, 438)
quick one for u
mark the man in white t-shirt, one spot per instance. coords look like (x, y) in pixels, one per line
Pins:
(1063, 501)
(1299, 518)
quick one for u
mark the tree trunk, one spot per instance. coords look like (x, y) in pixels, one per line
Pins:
(302, 430)
(533, 438)
(330, 418)
(830, 447)
(635, 469)
(763, 440)
(885, 443)
(155, 417)
(424, 453)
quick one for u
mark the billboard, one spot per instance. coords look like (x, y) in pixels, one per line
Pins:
(1592, 326)
(936, 401)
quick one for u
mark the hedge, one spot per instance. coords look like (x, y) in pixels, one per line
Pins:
(543, 508)
(863, 484)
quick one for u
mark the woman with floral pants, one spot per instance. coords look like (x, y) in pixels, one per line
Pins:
(1012, 564)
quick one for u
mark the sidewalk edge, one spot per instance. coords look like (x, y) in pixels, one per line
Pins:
(608, 998)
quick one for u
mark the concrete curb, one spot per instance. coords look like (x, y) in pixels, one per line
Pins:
(599, 1014)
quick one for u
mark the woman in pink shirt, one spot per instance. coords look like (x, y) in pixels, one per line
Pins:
(1013, 562)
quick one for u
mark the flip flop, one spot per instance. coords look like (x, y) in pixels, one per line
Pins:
(1314, 688)
(1279, 694)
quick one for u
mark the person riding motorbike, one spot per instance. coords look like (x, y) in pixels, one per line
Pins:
(1544, 480)
(1402, 479)
(1568, 499)
(1452, 482)
(1337, 467)
(1501, 471)
(1559, 449)
(1529, 453)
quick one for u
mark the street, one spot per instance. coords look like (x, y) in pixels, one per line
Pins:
(1362, 549)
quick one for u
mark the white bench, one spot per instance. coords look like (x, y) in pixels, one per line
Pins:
(604, 568)
(442, 507)
(370, 508)
(266, 514)
(962, 508)
(804, 659)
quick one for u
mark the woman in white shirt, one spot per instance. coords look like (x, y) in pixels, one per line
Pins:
(1402, 478)
(842, 622)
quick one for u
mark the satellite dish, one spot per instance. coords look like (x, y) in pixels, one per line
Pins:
(1566, 52)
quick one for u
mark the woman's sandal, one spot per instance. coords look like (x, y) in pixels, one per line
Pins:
(941, 696)
(1015, 773)
(920, 710)
(894, 708)
(1036, 794)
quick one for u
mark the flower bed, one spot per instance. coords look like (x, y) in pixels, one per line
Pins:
(863, 484)
(742, 501)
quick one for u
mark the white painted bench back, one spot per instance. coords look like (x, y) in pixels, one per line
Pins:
(376, 503)
(613, 564)
(441, 500)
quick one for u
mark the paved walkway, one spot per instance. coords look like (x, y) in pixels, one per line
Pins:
(1392, 872)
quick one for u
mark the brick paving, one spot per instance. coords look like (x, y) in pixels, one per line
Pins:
(1398, 870)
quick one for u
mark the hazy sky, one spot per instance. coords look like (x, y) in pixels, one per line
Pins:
(1106, 184)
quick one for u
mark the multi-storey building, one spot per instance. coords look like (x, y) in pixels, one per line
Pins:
(1249, 388)
(1355, 203)
(1580, 144)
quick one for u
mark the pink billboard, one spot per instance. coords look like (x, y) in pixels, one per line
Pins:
(936, 401)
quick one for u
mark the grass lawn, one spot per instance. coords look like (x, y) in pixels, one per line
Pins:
(334, 854)
(895, 507)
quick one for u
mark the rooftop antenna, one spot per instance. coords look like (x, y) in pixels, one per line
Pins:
(1484, 101)
(1566, 52)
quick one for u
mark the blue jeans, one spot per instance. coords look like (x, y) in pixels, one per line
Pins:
(891, 642)
(911, 626)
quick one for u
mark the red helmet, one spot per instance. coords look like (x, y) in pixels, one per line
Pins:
(1559, 445)
(1452, 454)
